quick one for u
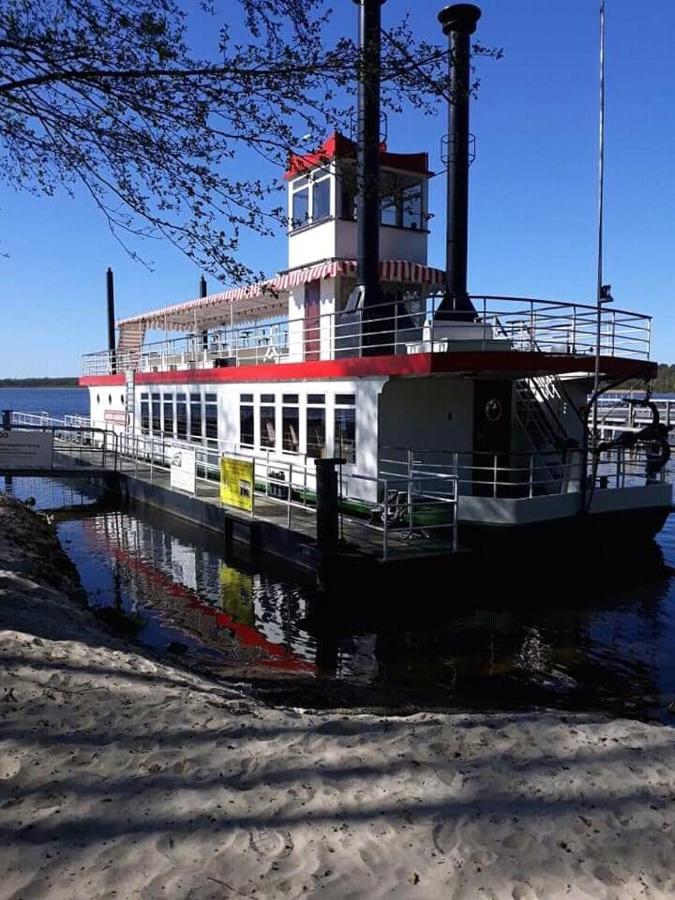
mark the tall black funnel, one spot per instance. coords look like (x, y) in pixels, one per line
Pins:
(357, 331)
(368, 152)
(459, 23)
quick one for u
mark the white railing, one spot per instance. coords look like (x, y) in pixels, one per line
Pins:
(41, 419)
(524, 475)
(74, 447)
(398, 508)
(395, 328)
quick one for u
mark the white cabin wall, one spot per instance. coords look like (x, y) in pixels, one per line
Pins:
(311, 244)
(431, 414)
(365, 390)
(395, 243)
(106, 405)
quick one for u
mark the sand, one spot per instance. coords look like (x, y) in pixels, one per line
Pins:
(121, 776)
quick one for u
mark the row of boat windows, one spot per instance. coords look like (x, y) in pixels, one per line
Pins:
(180, 415)
(196, 416)
(279, 424)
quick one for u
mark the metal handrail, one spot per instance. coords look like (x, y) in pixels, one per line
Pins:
(528, 324)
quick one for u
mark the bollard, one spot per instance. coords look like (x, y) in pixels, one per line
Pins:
(327, 504)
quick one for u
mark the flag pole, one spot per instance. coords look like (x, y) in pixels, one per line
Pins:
(601, 212)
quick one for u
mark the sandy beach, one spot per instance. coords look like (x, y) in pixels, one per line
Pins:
(123, 776)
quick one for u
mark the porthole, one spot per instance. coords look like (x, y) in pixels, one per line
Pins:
(98, 398)
(122, 399)
(109, 399)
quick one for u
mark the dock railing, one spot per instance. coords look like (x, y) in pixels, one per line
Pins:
(396, 327)
(402, 511)
(72, 449)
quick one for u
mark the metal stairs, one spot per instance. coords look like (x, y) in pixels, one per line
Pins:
(540, 402)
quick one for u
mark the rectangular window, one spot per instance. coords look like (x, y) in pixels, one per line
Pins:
(156, 414)
(196, 415)
(316, 431)
(145, 413)
(321, 200)
(316, 399)
(167, 404)
(268, 422)
(411, 212)
(211, 416)
(300, 203)
(246, 433)
(290, 424)
(345, 400)
(348, 192)
(345, 433)
(181, 416)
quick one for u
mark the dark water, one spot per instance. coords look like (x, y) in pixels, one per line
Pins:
(563, 639)
(55, 401)
(574, 642)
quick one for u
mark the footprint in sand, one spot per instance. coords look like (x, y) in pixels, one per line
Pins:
(271, 844)
(10, 766)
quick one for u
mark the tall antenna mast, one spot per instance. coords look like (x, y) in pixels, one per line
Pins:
(600, 294)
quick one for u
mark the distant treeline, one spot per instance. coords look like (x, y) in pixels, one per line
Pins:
(38, 382)
(665, 380)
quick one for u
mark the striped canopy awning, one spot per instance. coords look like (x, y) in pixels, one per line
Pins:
(265, 299)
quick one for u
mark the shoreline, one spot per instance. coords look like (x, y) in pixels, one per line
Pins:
(125, 776)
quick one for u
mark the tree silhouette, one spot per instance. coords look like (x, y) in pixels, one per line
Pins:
(111, 96)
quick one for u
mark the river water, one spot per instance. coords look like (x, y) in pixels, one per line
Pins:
(564, 638)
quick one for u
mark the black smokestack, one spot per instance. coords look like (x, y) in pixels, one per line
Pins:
(202, 293)
(459, 23)
(110, 296)
(368, 152)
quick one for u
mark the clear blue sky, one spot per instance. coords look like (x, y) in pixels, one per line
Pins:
(533, 187)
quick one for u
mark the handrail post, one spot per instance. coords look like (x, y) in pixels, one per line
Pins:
(410, 489)
(289, 495)
(494, 476)
(531, 475)
(385, 547)
(531, 325)
(455, 517)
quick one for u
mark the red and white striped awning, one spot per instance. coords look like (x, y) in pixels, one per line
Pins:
(267, 299)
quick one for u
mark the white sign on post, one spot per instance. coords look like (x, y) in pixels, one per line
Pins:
(183, 470)
(26, 449)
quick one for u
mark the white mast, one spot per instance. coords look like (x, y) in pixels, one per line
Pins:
(601, 209)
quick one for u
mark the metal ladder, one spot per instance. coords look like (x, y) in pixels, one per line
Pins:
(130, 399)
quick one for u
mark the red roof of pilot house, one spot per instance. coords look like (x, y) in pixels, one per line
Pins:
(337, 146)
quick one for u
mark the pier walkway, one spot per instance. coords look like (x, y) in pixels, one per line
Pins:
(279, 523)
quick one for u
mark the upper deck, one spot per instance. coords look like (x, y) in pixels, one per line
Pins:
(508, 334)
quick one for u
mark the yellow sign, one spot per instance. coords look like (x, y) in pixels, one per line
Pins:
(236, 482)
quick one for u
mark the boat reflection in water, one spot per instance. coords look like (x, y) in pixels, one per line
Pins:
(577, 643)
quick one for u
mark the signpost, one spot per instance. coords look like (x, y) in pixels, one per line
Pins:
(183, 470)
(26, 449)
(237, 482)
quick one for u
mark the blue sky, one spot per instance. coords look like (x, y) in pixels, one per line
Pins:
(533, 187)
